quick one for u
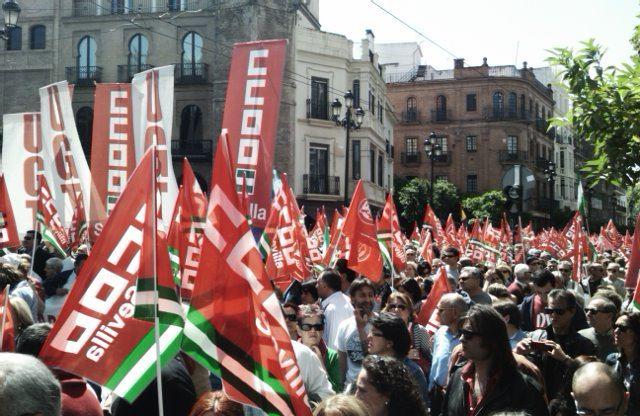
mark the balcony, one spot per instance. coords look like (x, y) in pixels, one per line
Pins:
(504, 114)
(411, 116)
(126, 72)
(440, 116)
(115, 7)
(318, 109)
(412, 158)
(542, 163)
(542, 125)
(194, 149)
(506, 156)
(320, 184)
(192, 73)
(443, 159)
(84, 76)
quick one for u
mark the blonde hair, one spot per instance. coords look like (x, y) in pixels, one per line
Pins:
(341, 404)
(21, 314)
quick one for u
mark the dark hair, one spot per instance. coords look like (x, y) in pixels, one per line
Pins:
(565, 295)
(310, 287)
(32, 339)
(406, 299)
(492, 329)
(451, 251)
(611, 296)
(498, 290)
(332, 279)
(291, 305)
(633, 320)
(391, 378)
(393, 329)
(510, 309)
(358, 284)
(218, 403)
(424, 269)
(80, 257)
(413, 289)
(37, 235)
(9, 275)
(543, 277)
(341, 267)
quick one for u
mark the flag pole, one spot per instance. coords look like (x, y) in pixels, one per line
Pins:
(156, 326)
(35, 226)
(5, 311)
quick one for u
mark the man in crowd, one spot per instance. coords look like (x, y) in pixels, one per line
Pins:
(601, 315)
(335, 305)
(595, 276)
(533, 306)
(598, 391)
(450, 309)
(41, 254)
(566, 268)
(52, 267)
(553, 348)
(471, 280)
(309, 292)
(511, 316)
(351, 338)
(520, 286)
(450, 257)
(347, 276)
(57, 288)
(613, 278)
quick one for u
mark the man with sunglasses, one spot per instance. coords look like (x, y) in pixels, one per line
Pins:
(613, 279)
(565, 268)
(601, 314)
(40, 255)
(450, 257)
(595, 278)
(597, 391)
(553, 348)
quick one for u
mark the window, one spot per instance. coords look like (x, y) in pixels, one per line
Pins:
(412, 109)
(561, 157)
(513, 104)
(319, 98)
(118, 6)
(87, 48)
(191, 59)
(380, 112)
(537, 111)
(411, 145)
(355, 160)
(372, 103)
(442, 141)
(472, 103)
(138, 52)
(174, 5)
(471, 144)
(522, 106)
(14, 43)
(498, 105)
(472, 184)
(356, 93)
(372, 159)
(38, 37)
(318, 168)
(512, 145)
(191, 124)
(84, 125)
(441, 108)
(563, 193)
(380, 169)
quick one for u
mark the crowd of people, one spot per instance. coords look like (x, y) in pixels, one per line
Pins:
(508, 339)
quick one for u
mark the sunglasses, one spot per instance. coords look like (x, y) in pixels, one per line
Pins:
(565, 270)
(290, 317)
(607, 411)
(594, 311)
(309, 327)
(27, 238)
(557, 311)
(621, 328)
(467, 333)
(400, 306)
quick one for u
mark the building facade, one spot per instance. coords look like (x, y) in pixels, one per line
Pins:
(487, 121)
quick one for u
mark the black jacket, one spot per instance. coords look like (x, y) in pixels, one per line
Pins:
(56, 282)
(579, 320)
(513, 392)
(632, 381)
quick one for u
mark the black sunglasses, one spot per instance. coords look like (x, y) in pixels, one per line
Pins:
(594, 311)
(400, 306)
(308, 327)
(467, 333)
(565, 270)
(290, 317)
(621, 328)
(558, 311)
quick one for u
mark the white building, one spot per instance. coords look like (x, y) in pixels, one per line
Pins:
(398, 59)
(325, 69)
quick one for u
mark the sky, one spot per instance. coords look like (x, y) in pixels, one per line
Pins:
(505, 31)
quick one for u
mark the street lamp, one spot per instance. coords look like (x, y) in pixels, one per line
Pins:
(11, 12)
(550, 175)
(433, 151)
(348, 123)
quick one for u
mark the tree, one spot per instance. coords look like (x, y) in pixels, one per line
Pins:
(413, 196)
(490, 204)
(633, 199)
(446, 199)
(605, 110)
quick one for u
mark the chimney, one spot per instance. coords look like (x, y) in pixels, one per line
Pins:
(484, 62)
(458, 63)
(370, 38)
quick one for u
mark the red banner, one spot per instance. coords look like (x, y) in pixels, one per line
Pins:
(8, 230)
(252, 106)
(112, 153)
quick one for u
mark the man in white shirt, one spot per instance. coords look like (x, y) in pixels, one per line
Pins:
(335, 305)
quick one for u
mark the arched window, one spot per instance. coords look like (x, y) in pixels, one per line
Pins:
(498, 105)
(522, 106)
(191, 124)
(192, 55)
(38, 37)
(513, 104)
(138, 52)
(84, 125)
(14, 43)
(412, 109)
(87, 48)
(441, 108)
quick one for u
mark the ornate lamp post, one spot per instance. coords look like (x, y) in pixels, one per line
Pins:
(11, 12)
(433, 151)
(550, 175)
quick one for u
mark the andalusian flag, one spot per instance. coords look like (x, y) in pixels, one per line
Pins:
(48, 220)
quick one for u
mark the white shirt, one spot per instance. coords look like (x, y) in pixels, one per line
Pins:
(53, 304)
(337, 309)
(314, 376)
(348, 341)
(24, 291)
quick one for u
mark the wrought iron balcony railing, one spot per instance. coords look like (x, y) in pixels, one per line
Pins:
(84, 75)
(320, 184)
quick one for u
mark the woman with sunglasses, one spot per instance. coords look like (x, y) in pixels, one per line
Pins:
(400, 304)
(310, 330)
(626, 362)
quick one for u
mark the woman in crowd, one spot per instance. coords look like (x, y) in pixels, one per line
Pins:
(216, 403)
(626, 362)
(386, 387)
(290, 312)
(493, 276)
(412, 288)
(400, 304)
(341, 405)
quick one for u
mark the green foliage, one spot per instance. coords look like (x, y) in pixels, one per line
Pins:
(633, 199)
(490, 204)
(445, 199)
(605, 112)
(411, 198)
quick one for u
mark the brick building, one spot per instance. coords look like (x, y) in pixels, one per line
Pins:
(487, 119)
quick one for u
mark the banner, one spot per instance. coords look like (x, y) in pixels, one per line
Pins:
(21, 163)
(252, 106)
(112, 153)
(65, 165)
(152, 103)
(8, 230)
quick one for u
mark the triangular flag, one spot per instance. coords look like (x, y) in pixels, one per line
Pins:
(633, 267)
(7, 334)
(49, 222)
(429, 305)
(8, 231)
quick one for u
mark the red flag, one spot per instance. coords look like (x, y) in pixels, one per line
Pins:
(426, 251)
(631, 277)
(335, 234)
(78, 233)
(7, 335)
(47, 216)
(318, 239)
(428, 309)
(364, 256)
(390, 235)
(434, 224)
(8, 230)
(235, 326)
